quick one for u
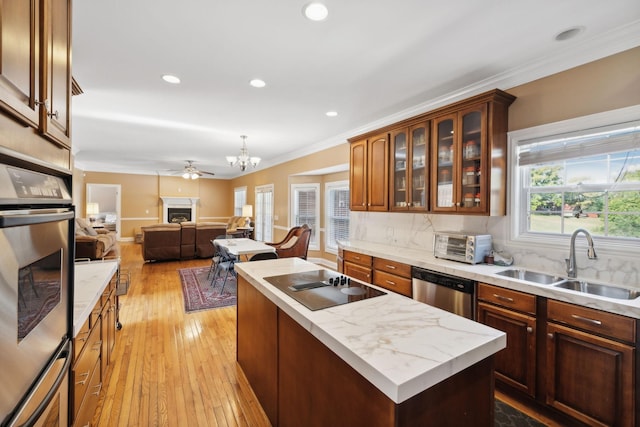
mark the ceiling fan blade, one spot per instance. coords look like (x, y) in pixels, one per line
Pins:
(208, 173)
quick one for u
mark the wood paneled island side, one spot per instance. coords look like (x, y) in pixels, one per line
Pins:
(384, 361)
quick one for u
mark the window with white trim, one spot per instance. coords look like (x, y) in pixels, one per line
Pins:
(582, 173)
(239, 200)
(337, 214)
(263, 229)
(305, 209)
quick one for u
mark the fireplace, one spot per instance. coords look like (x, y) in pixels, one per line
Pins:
(178, 215)
(179, 209)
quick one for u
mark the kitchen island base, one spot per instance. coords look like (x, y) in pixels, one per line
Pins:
(299, 381)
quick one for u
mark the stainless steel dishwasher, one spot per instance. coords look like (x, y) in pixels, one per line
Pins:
(451, 293)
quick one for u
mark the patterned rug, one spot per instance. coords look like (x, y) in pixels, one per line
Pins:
(199, 294)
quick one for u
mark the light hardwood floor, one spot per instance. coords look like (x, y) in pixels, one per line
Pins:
(177, 369)
(173, 368)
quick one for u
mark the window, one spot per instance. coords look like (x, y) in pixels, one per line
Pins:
(337, 214)
(263, 229)
(305, 209)
(239, 200)
(582, 173)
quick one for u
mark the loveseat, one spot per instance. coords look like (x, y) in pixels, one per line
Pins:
(161, 242)
(93, 243)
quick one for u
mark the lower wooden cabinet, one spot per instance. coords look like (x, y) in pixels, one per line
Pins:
(513, 313)
(392, 275)
(93, 347)
(590, 370)
(358, 266)
(578, 362)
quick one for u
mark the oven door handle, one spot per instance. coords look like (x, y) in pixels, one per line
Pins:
(64, 352)
(20, 218)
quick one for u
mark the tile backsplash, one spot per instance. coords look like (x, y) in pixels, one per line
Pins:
(415, 231)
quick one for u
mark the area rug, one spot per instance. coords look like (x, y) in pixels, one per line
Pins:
(200, 294)
(508, 416)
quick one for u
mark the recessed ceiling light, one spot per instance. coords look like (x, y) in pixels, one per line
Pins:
(331, 113)
(316, 11)
(257, 83)
(171, 79)
(568, 34)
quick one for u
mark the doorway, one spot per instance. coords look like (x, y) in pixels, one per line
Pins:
(107, 198)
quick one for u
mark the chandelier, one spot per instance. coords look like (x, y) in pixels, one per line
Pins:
(243, 160)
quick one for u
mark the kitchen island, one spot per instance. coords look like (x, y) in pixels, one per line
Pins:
(387, 361)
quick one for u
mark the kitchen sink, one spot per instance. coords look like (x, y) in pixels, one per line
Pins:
(531, 276)
(597, 289)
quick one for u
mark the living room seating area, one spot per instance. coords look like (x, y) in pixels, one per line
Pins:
(93, 243)
(186, 240)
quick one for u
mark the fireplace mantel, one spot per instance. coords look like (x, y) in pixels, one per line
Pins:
(178, 202)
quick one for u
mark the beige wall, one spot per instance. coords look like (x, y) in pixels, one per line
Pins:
(603, 85)
(606, 84)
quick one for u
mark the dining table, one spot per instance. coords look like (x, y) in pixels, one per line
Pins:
(244, 247)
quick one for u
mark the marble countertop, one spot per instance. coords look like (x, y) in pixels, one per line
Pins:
(91, 279)
(487, 274)
(401, 346)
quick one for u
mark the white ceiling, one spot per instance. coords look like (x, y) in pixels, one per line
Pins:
(372, 61)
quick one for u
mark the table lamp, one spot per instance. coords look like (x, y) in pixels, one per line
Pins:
(93, 209)
(247, 212)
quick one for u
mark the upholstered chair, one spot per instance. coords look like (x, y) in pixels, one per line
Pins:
(295, 243)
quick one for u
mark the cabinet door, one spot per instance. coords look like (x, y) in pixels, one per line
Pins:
(418, 172)
(471, 188)
(516, 364)
(399, 177)
(56, 71)
(378, 173)
(443, 154)
(19, 60)
(589, 377)
(358, 176)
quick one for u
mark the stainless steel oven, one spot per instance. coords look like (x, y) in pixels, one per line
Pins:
(36, 290)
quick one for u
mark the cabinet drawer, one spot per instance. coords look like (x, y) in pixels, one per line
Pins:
(84, 366)
(394, 283)
(397, 268)
(356, 258)
(86, 404)
(358, 272)
(514, 300)
(600, 322)
(80, 340)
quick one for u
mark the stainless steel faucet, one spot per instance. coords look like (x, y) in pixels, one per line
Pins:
(572, 269)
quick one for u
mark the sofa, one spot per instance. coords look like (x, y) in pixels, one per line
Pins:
(93, 243)
(163, 242)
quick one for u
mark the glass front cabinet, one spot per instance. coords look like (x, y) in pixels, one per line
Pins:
(460, 156)
(409, 165)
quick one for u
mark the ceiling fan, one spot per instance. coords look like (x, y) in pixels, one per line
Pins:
(191, 172)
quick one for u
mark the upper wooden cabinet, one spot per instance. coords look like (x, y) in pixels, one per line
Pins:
(369, 174)
(409, 169)
(35, 65)
(450, 160)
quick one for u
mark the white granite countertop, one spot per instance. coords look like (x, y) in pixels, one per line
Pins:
(401, 346)
(487, 274)
(91, 279)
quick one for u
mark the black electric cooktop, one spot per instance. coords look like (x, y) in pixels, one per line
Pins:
(322, 288)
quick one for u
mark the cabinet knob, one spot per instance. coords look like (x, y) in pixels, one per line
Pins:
(529, 329)
(52, 115)
(550, 335)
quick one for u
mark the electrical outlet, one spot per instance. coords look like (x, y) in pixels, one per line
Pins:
(275, 217)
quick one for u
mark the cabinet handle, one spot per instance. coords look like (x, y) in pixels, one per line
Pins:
(550, 335)
(389, 282)
(391, 267)
(501, 298)
(529, 329)
(52, 115)
(99, 387)
(97, 346)
(84, 381)
(587, 320)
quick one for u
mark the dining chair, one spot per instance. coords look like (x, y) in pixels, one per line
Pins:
(215, 259)
(264, 256)
(225, 263)
(295, 243)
